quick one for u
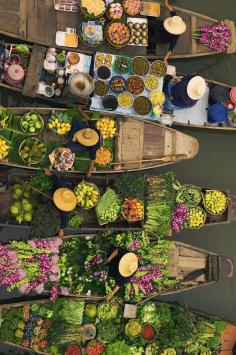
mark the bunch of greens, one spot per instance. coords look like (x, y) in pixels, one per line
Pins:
(131, 186)
(161, 201)
(107, 331)
(72, 311)
(46, 221)
(117, 348)
(189, 195)
(8, 325)
(76, 220)
(107, 310)
(147, 313)
(130, 240)
(41, 182)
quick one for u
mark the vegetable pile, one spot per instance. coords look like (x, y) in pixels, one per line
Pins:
(4, 117)
(22, 208)
(32, 151)
(41, 182)
(87, 194)
(215, 202)
(103, 156)
(4, 148)
(109, 207)
(32, 123)
(196, 217)
(189, 195)
(133, 210)
(60, 123)
(107, 127)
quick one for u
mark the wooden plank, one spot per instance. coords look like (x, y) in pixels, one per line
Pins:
(9, 14)
(186, 263)
(118, 145)
(232, 46)
(23, 18)
(193, 41)
(169, 146)
(41, 20)
(173, 257)
(154, 138)
(184, 44)
(191, 253)
(51, 23)
(35, 66)
(31, 20)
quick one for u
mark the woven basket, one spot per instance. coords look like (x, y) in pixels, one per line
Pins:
(96, 187)
(21, 146)
(215, 214)
(113, 44)
(140, 219)
(107, 12)
(41, 119)
(87, 15)
(107, 165)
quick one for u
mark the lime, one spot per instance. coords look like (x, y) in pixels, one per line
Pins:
(34, 117)
(24, 201)
(18, 191)
(26, 194)
(14, 210)
(16, 186)
(38, 125)
(27, 207)
(27, 217)
(32, 130)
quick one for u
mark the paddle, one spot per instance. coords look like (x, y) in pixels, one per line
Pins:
(167, 158)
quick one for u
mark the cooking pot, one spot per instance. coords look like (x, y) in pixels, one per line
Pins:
(81, 84)
(15, 74)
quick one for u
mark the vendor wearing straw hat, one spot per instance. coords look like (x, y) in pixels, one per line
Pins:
(122, 266)
(165, 31)
(183, 92)
(63, 197)
(84, 136)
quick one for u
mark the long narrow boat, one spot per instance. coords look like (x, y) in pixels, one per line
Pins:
(139, 144)
(38, 22)
(90, 223)
(225, 337)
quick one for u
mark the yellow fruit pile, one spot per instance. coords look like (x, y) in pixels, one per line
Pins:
(4, 148)
(103, 156)
(215, 201)
(196, 217)
(87, 194)
(107, 127)
(60, 128)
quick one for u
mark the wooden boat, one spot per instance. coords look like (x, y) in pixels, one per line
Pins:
(139, 144)
(90, 224)
(38, 22)
(192, 267)
(228, 335)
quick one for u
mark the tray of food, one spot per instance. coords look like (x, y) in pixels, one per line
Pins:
(139, 31)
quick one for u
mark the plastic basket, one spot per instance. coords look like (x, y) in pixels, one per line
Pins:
(208, 211)
(204, 220)
(127, 219)
(94, 186)
(21, 146)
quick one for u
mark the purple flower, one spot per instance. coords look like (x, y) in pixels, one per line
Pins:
(40, 288)
(97, 260)
(87, 264)
(54, 277)
(53, 293)
(24, 288)
(134, 245)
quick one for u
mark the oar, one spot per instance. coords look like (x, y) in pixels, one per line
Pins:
(167, 158)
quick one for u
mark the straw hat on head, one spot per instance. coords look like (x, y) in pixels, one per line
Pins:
(64, 199)
(196, 88)
(175, 25)
(87, 137)
(128, 264)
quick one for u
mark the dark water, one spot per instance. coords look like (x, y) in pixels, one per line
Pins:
(214, 167)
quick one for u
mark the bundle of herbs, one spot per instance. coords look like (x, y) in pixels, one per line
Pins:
(160, 203)
(131, 186)
(46, 221)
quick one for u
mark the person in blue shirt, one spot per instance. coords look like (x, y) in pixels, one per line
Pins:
(165, 31)
(84, 136)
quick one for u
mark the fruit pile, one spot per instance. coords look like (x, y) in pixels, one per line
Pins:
(103, 156)
(132, 7)
(118, 33)
(95, 348)
(196, 217)
(87, 194)
(109, 207)
(133, 210)
(4, 148)
(115, 11)
(107, 127)
(31, 123)
(59, 123)
(22, 208)
(4, 118)
(215, 201)
(32, 151)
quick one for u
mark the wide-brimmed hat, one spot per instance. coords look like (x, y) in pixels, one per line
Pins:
(196, 88)
(128, 264)
(87, 137)
(175, 25)
(64, 199)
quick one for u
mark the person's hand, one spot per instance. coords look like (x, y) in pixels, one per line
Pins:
(47, 172)
(165, 61)
(61, 233)
(108, 297)
(88, 174)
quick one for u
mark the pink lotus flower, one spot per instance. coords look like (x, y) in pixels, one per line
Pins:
(54, 278)
(64, 291)
(55, 269)
(32, 243)
(40, 288)
(55, 259)
(24, 288)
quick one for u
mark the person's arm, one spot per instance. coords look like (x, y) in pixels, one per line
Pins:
(113, 255)
(84, 115)
(91, 167)
(166, 57)
(114, 291)
(170, 8)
